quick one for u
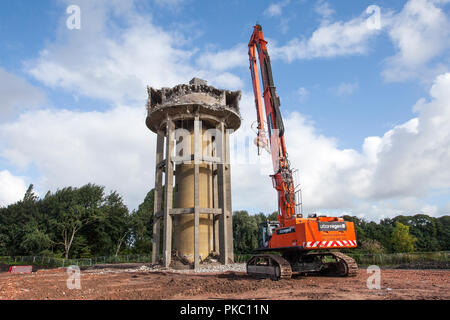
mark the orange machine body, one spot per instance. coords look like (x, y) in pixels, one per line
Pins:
(309, 234)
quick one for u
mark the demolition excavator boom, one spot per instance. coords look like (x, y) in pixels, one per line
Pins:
(282, 178)
(305, 244)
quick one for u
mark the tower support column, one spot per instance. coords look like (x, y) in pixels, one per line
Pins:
(157, 199)
(168, 193)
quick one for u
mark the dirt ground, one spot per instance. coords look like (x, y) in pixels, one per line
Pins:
(137, 284)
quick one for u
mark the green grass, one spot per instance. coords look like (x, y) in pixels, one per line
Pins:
(363, 259)
(385, 259)
(396, 259)
(85, 262)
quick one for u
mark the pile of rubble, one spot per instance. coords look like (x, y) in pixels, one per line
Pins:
(217, 267)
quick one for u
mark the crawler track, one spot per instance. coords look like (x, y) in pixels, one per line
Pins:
(351, 268)
(276, 268)
(285, 267)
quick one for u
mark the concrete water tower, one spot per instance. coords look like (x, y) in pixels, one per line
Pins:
(193, 123)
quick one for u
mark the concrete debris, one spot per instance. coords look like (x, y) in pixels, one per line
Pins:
(198, 82)
(187, 93)
(213, 268)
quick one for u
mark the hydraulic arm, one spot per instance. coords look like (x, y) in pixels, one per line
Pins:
(282, 177)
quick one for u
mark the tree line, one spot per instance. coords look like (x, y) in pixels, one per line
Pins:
(420, 233)
(85, 222)
(74, 222)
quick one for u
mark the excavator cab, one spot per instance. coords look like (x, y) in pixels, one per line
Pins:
(266, 229)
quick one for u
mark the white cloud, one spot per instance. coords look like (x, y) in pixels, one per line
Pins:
(118, 69)
(329, 40)
(420, 33)
(276, 9)
(222, 60)
(169, 3)
(429, 210)
(389, 176)
(12, 188)
(346, 89)
(122, 63)
(224, 80)
(303, 93)
(284, 25)
(414, 157)
(323, 9)
(112, 148)
(115, 149)
(17, 95)
(445, 210)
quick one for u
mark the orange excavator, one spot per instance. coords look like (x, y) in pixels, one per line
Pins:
(293, 244)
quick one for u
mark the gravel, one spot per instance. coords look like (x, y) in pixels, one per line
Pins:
(237, 267)
(204, 268)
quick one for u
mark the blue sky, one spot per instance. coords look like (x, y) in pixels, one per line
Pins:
(360, 103)
(28, 26)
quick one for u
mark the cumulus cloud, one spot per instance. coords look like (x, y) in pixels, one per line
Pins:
(414, 157)
(119, 66)
(420, 33)
(445, 210)
(12, 188)
(323, 9)
(346, 88)
(303, 94)
(112, 148)
(115, 149)
(17, 95)
(169, 3)
(329, 40)
(276, 9)
(221, 60)
(125, 59)
(382, 179)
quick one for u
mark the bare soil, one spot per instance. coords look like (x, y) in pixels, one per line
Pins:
(137, 284)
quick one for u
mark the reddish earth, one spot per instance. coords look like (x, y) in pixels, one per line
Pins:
(101, 284)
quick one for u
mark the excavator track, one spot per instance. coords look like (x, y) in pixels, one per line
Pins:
(277, 267)
(343, 266)
(269, 266)
(351, 268)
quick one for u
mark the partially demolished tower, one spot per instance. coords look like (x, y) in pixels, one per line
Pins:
(193, 123)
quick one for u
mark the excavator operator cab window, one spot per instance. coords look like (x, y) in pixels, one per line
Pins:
(267, 229)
